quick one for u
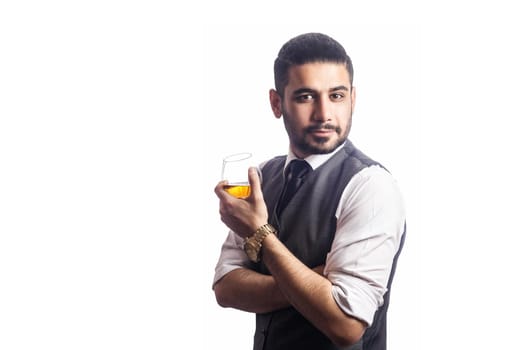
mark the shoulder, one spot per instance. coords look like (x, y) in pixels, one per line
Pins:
(372, 202)
(373, 185)
(375, 174)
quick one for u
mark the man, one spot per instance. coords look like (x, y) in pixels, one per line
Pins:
(317, 268)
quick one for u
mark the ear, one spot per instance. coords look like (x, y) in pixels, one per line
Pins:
(353, 98)
(275, 103)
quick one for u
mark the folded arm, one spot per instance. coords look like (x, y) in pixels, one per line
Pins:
(358, 265)
(249, 291)
(311, 294)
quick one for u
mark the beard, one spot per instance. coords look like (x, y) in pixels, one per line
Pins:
(308, 143)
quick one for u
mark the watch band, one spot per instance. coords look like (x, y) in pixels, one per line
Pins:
(253, 244)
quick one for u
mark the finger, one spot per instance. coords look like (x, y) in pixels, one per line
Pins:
(219, 189)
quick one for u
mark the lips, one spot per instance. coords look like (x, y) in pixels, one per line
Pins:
(322, 129)
(321, 132)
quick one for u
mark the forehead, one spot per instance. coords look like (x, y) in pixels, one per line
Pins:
(318, 76)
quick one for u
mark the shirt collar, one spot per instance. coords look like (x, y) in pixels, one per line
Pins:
(314, 160)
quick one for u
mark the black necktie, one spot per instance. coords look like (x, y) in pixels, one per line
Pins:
(295, 173)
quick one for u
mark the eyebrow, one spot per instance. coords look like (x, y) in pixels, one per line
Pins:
(308, 90)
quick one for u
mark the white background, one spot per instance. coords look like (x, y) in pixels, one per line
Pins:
(386, 125)
(114, 117)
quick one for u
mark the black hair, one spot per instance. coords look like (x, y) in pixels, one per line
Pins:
(308, 48)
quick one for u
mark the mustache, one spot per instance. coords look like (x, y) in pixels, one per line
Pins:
(325, 126)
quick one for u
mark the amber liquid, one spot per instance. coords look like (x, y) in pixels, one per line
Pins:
(239, 191)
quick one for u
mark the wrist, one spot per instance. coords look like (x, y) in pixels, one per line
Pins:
(253, 244)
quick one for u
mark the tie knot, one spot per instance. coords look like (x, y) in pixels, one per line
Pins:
(298, 168)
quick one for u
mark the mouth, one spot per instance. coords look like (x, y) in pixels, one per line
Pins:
(322, 130)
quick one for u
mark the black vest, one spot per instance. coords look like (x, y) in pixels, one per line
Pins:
(307, 227)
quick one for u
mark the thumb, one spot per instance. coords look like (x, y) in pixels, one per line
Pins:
(254, 176)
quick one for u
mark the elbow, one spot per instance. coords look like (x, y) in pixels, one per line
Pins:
(221, 296)
(348, 335)
(345, 341)
(220, 300)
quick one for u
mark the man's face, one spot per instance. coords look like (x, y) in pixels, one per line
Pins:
(316, 107)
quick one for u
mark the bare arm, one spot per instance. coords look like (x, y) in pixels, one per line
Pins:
(310, 293)
(250, 291)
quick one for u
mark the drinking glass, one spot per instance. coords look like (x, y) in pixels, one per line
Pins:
(235, 172)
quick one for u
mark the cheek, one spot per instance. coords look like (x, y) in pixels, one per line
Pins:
(300, 113)
(345, 114)
(347, 124)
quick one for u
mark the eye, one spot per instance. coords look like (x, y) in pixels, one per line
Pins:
(304, 98)
(337, 96)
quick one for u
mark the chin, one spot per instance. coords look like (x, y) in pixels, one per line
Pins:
(326, 144)
(320, 147)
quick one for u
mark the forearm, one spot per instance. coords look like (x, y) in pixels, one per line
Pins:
(310, 294)
(249, 291)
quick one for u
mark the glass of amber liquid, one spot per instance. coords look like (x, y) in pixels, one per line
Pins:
(235, 171)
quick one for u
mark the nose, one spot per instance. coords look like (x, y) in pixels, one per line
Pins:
(323, 109)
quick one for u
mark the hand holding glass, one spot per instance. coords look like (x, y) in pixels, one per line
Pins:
(235, 171)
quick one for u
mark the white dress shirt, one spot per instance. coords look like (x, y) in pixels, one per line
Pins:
(370, 223)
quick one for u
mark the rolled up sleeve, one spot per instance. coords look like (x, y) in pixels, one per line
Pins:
(370, 223)
(232, 257)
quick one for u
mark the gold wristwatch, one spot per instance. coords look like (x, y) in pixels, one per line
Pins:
(253, 244)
